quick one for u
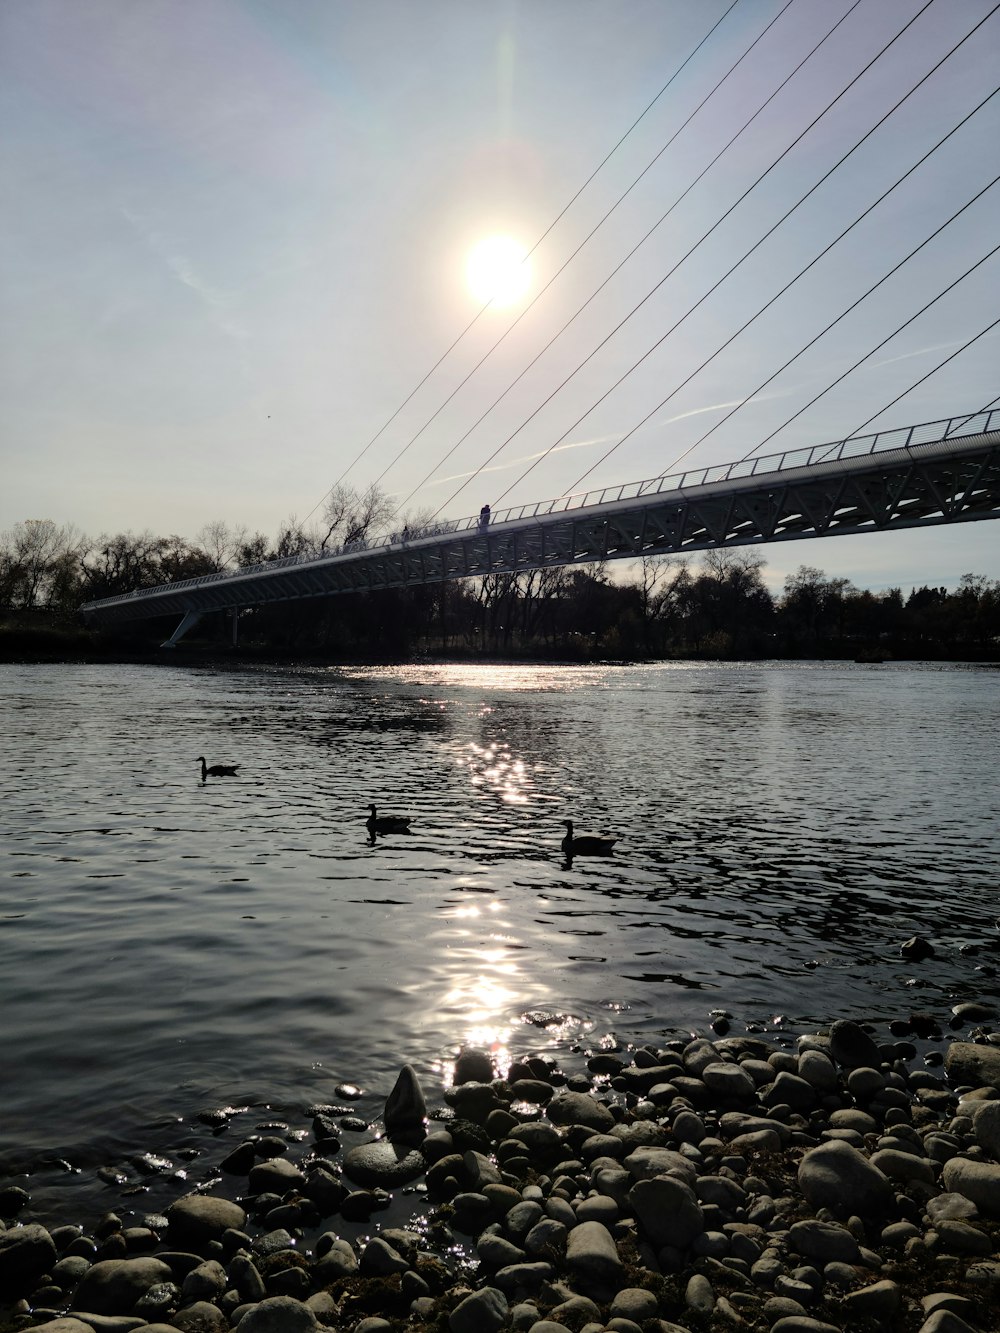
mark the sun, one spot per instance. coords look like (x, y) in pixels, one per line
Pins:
(498, 271)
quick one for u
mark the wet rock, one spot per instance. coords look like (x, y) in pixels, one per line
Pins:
(276, 1176)
(818, 1070)
(200, 1218)
(26, 1252)
(13, 1199)
(204, 1283)
(838, 1177)
(578, 1108)
(279, 1314)
(405, 1107)
(113, 1286)
(916, 949)
(202, 1317)
(383, 1164)
(240, 1160)
(852, 1047)
(974, 1065)
(473, 1066)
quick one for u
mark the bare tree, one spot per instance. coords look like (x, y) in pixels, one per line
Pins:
(221, 543)
(350, 516)
(36, 558)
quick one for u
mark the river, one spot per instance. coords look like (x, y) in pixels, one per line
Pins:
(169, 943)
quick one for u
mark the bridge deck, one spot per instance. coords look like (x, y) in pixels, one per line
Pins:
(940, 472)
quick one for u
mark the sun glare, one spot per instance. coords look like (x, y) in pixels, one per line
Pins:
(498, 271)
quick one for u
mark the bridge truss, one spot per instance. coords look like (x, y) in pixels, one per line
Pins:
(919, 476)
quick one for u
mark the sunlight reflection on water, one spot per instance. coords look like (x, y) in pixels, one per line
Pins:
(782, 829)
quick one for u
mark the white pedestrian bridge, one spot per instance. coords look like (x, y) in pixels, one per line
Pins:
(933, 473)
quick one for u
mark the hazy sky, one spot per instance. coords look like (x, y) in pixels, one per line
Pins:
(235, 233)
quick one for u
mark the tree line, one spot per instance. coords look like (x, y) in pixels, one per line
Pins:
(715, 606)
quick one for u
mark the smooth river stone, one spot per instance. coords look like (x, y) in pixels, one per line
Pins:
(591, 1253)
(383, 1164)
(978, 1181)
(577, 1108)
(729, 1081)
(973, 1065)
(113, 1286)
(199, 1218)
(986, 1128)
(25, 1254)
(838, 1177)
(852, 1047)
(667, 1211)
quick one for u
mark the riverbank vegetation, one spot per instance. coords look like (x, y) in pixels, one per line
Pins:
(716, 606)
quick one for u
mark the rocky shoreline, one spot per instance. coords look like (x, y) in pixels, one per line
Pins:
(716, 1182)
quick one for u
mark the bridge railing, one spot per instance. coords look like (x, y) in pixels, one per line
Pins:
(904, 437)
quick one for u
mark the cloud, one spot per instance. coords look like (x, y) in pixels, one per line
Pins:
(184, 271)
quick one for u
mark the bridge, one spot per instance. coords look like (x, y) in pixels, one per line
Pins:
(915, 476)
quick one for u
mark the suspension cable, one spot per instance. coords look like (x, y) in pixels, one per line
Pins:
(656, 409)
(586, 240)
(940, 365)
(843, 314)
(878, 346)
(699, 242)
(357, 458)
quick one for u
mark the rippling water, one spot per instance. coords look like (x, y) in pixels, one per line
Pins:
(167, 944)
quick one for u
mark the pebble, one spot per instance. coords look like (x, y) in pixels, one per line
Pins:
(775, 1187)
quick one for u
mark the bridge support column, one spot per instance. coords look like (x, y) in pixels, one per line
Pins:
(189, 621)
(236, 626)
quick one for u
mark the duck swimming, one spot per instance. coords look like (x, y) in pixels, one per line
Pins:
(377, 823)
(216, 770)
(586, 844)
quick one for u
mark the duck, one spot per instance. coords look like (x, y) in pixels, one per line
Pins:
(387, 823)
(586, 844)
(216, 770)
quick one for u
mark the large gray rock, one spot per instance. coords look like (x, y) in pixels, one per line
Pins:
(986, 1128)
(199, 1218)
(824, 1242)
(65, 1324)
(276, 1176)
(113, 1286)
(578, 1108)
(485, 1311)
(279, 1314)
(383, 1164)
(852, 1047)
(25, 1254)
(728, 1081)
(667, 1211)
(201, 1317)
(978, 1181)
(205, 1283)
(838, 1177)
(644, 1163)
(591, 1254)
(972, 1065)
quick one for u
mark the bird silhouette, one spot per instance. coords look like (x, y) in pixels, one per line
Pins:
(586, 844)
(216, 770)
(377, 823)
